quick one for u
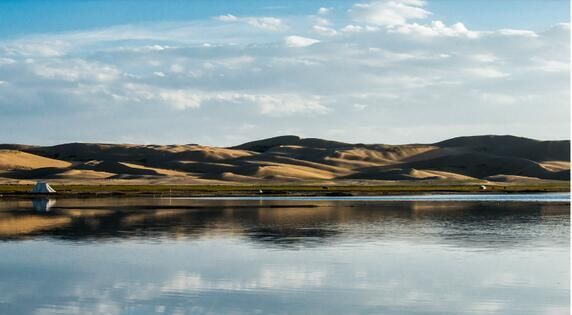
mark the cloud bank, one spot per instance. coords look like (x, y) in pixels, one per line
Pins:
(383, 71)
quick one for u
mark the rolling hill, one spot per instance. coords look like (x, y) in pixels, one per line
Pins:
(291, 159)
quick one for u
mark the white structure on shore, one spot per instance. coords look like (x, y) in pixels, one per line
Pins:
(42, 188)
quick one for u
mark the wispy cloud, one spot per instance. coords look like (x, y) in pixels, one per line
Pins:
(264, 23)
(385, 63)
(389, 12)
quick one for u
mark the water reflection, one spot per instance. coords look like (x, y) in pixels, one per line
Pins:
(280, 223)
(43, 204)
(149, 256)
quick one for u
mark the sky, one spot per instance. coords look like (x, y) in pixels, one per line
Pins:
(225, 72)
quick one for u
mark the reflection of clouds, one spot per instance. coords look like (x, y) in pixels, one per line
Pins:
(291, 277)
(77, 308)
(488, 307)
(508, 279)
(184, 282)
(384, 259)
(269, 277)
(556, 310)
(388, 278)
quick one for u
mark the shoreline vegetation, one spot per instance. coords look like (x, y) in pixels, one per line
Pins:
(135, 190)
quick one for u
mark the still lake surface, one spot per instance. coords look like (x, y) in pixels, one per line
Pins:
(461, 254)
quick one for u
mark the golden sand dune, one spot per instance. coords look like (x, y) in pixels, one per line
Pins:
(83, 174)
(424, 174)
(291, 158)
(386, 155)
(11, 159)
(215, 154)
(300, 160)
(157, 170)
(232, 177)
(289, 171)
(396, 173)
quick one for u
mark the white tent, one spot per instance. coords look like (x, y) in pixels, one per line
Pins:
(42, 188)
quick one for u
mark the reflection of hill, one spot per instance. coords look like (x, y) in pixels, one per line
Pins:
(279, 223)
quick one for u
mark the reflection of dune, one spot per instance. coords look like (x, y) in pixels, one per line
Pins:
(549, 209)
(287, 224)
(86, 212)
(139, 217)
(295, 215)
(22, 225)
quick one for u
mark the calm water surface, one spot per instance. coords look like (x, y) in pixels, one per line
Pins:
(505, 254)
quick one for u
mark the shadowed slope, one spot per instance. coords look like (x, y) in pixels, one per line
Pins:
(512, 146)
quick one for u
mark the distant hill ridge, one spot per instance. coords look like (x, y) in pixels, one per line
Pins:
(291, 158)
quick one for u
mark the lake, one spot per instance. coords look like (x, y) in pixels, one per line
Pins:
(440, 254)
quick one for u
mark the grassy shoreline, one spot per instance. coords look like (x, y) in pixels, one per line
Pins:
(86, 190)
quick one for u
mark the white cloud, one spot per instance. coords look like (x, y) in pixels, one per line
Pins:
(324, 30)
(486, 72)
(359, 107)
(350, 28)
(322, 21)
(227, 18)
(265, 22)
(299, 41)
(74, 70)
(7, 61)
(180, 99)
(272, 105)
(484, 58)
(389, 12)
(549, 65)
(324, 11)
(513, 32)
(498, 99)
(398, 76)
(436, 28)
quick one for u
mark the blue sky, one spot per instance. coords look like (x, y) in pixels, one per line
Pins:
(21, 17)
(223, 72)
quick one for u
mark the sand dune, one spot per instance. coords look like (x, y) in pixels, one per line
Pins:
(12, 160)
(384, 173)
(510, 178)
(556, 166)
(291, 158)
(387, 155)
(84, 174)
(159, 171)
